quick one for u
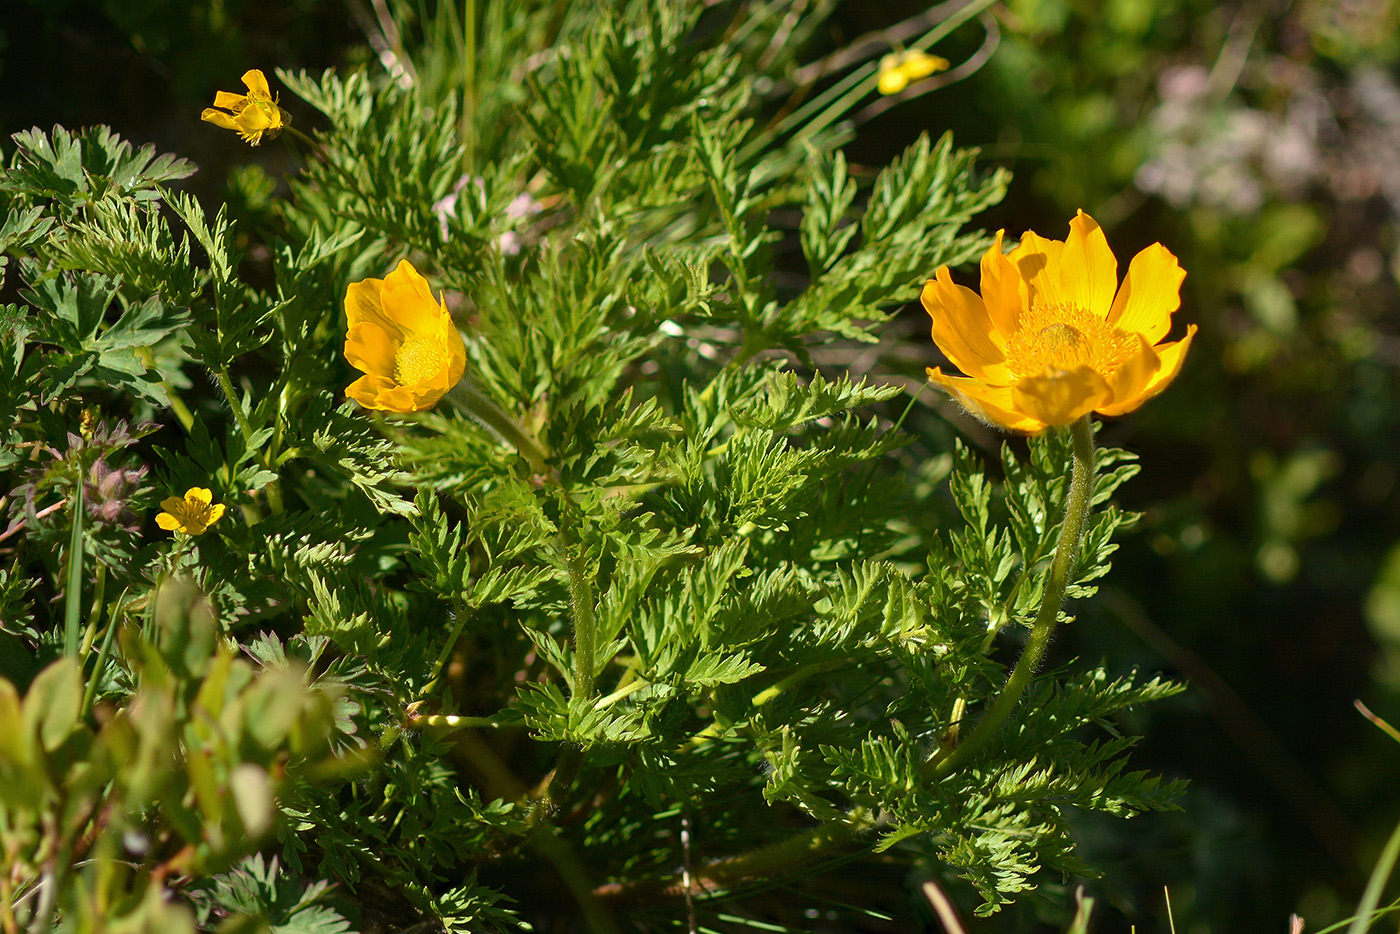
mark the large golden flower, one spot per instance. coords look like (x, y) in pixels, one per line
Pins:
(404, 341)
(1048, 341)
(252, 115)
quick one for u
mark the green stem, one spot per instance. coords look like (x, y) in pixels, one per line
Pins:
(556, 786)
(479, 407)
(446, 652)
(1366, 910)
(73, 593)
(1081, 488)
(467, 136)
(771, 860)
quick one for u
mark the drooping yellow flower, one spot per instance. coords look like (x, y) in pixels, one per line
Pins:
(898, 69)
(405, 343)
(1048, 341)
(192, 515)
(252, 115)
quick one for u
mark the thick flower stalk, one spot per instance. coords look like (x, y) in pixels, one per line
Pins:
(899, 69)
(252, 115)
(1048, 341)
(191, 514)
(404, 342)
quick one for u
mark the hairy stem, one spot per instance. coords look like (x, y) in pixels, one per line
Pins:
(774, 859)
(479, 407)
(1077, 504)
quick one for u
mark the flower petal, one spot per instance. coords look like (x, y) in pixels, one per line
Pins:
(256, 82)
(991, 404)
(173, 504)
(1130, 380)
(1004, 292)
(1037, 261)
(216, 512)
(1059, 398)
(962, 329)
(1173, 355)
(370, 348)
(230, 101)
(200, 495)
(362, 303)
(407, 300)
(1088, 267)
(218, 118)
(1150, 293)
(166, 521)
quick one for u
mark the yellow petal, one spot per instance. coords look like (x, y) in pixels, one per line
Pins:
(200, 495)
(1059, 398)
(1004, 292)
(375, 392)
(1131, 379)
(216, 512)
(1150, 293)
(407, 300)
(1088, 267)
(1172, 355)
(456, 354)
(166, 521)
(362, 303)
(892, 82)
(963, 330)
(992, 404)
(173, 504)
(919, 64)
(230, 101)
(1037, 260)
(369, 348)
(218, 118)
(256, 83)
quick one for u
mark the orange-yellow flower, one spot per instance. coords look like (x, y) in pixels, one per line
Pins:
(1048, 341)
(405, 343)
(192, 514)
(252, 115)
(898, 69)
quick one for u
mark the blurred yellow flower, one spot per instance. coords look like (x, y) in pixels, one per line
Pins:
(898, 69)
(192, 515)
(1048, 341)
(252, 115)
(405, 343)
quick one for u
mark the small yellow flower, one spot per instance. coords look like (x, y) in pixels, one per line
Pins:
(405, 343)
(898, 69)
(192, 515)
(1048, 341)
(252, 115)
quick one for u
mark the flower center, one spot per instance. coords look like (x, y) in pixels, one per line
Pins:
(419, 360)
(1060, 337)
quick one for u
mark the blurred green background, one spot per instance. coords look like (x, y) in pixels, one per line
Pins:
(1260, 141)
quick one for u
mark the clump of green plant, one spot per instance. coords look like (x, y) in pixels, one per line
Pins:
(647, 611)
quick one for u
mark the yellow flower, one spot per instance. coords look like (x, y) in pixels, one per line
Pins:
(406, 344)
(192, 515)
(253, 115)
(899, 68)
(1048, 341)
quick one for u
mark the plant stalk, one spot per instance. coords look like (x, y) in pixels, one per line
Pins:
(479, 407)
(1077, 507)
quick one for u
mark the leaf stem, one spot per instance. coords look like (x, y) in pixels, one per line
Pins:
(1077, 505)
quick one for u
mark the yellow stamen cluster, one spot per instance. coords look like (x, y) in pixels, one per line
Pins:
(419, 360)
(1057, 338)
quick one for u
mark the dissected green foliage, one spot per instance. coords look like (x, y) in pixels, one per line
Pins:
(724, 600)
